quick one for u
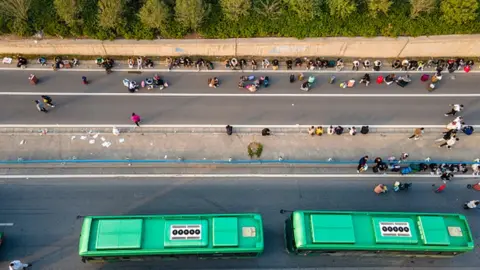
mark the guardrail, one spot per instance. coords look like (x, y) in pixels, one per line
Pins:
(212, 129)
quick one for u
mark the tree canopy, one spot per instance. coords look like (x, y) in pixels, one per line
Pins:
(148, 19)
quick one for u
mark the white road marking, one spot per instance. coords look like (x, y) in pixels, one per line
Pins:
(6, 224)
(97, 176)
(306, 95)
(328, 71)
(219, 126)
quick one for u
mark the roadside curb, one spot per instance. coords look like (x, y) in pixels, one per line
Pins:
(164, 70)
(210, 129)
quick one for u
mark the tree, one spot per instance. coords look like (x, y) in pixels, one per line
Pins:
(459, 11)
(68, 10)
(425, 6)
(342, 8)
(191, 13)
(235, 9)
(18, 11)
(305, 9)
(110, 13)
(155, 14)
(377, 6)
(268, 8)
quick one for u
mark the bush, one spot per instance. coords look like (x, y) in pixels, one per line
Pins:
(285, 21)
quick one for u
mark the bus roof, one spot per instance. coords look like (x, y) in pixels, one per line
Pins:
(381, 231)
(170, 234)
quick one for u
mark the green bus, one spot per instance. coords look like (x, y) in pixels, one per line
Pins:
(145, 237)
(377, 233)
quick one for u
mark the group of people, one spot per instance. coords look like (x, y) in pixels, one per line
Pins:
(140, 62)
(450, 135)
(187, 62)
(43, 103)
(338, 130)
(252, 83)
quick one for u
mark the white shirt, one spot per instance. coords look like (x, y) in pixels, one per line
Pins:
(471, 204)
(17, 265)
(457, 107)
(451, 141)
(458, 119)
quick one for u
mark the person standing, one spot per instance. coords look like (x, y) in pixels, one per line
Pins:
(18, 265)
(455, 108)
(449, 143)
(362, 164)
(471, 204)
(48, 101)
(40, 106)
(135, 119)
(417, 133)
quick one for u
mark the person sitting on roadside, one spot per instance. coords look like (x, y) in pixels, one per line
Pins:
(311, 131)
(365, 79)
(319, 131)
(390, 78)
(330, 130)
(380, 188)
(396, 64)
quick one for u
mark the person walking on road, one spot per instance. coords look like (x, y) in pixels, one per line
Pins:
(455, 108)
(362, 164)
(40, 106)
(471, 204)
(18, 265)
(449, 143)
(135, 119)
(440, 189)
(447, 135)
(48, 101)
(417, 133)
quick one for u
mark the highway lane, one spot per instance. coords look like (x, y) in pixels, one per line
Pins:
(46, 230)
(255, 110)
(196, 82)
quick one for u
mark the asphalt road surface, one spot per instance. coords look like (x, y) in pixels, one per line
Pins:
(82, 107)
(46, 230)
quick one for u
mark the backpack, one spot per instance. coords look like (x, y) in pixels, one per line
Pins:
(406, 170)
(265, 132)
(229, 130)
(415, 167)
(292, 78)
(395, 168)
(339, 130)
(364, 130)
(468, 130)
(424, 77)
(375, 169)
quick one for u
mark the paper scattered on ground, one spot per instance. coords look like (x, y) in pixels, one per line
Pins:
(121, 140)
(22, 142)
(95, 136)
(91, 141)
(73, 138)
(103, 139)
(106, 144)
(83, 137)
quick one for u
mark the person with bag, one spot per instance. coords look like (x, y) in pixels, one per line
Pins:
(362, 164)
(471, 204)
